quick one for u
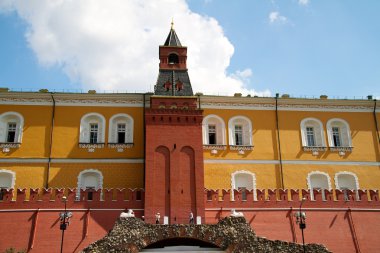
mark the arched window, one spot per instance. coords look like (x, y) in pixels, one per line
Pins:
(214, 130)
(89, 180)
(312, 135)
(11, 126)
(173, 58)
(120, 129)
(243, 180)
(339, 135)
(346, 181)
(240, 132)
(7, 181)
(317, 180)
(92, 128)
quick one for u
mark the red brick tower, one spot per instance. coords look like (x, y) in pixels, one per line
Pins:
(174, 178)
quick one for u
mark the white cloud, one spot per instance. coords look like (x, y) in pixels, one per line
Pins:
(275, 17)
(303, 2)
(113, 45)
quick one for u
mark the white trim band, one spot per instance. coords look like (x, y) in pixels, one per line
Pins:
(69, 160)
(308, 162)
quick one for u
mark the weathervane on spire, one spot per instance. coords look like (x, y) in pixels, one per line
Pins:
(172, 27)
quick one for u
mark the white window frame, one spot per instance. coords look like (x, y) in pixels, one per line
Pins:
(233, 182)
(120, 118)
(246, 127)
(356, 180)
(321, 134)
(330, 125)
(309, 183)
(13, 176)
(91, 118)
(11, 117)
(81, 179)
(336, 178)
(220, 128)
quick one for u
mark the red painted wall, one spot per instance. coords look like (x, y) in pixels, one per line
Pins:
(174, 160)
(343, 226)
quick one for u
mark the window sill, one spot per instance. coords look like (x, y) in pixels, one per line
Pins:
(214, 147)
(314, 148)
(120, 145)
(341, 149)
(91, 145)
(6, 146)
(241, 147)
(10, 144)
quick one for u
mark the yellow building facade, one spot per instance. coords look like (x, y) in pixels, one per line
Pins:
(76, 140)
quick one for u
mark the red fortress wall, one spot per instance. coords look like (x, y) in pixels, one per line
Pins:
(351, 225)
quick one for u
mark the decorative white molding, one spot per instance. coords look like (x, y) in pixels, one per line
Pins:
(318, 134)
(318, 173)
(84, 131)
(91, 145)
(13, 176)
(247, 130)
(346, 173)
(80, 180)
(129, 127)
(345, 135)
(214, 146)
(7, 117)
(220, 129)
(241, 147)
(233, 182)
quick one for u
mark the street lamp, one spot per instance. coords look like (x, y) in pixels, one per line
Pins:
(64, 217)
(301, 220)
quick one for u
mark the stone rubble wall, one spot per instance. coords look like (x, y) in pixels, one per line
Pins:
(232, 234)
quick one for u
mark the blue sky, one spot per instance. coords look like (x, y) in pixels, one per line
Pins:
(303, 48)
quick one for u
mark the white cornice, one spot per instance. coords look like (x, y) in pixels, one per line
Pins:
(69, 160)
(237, 161)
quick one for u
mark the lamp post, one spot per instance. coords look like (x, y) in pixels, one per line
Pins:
(301, 220)
(64, 218)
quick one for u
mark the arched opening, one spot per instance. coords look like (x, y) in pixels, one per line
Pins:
(213, 130)
(243, 181)
(346, 181)
(7, 181)
(312, 133)
(92, 128)
(240, 131)
(181, 244)
(89, 180)
(339, 133)
(318, 181)
(11, 127)
(173, 58)
(120, 129)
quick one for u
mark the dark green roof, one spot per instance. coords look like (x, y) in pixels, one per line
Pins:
(172, 39)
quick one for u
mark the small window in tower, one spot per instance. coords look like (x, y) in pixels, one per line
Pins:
(173, 59)
(94, 133)
(211, 134)
(11, 132)
(121, 133)
(238, 135)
